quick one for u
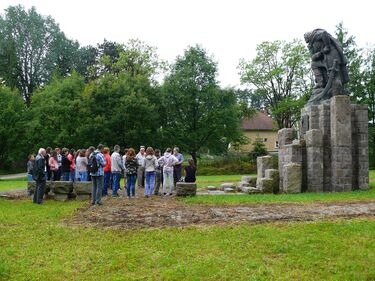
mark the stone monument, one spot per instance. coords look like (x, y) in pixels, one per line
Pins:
(331, 153)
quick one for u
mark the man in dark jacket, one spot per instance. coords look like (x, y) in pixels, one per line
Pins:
(39, 175)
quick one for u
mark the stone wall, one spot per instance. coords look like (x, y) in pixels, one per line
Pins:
(332, 149)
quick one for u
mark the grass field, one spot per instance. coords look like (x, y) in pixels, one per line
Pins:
(35, 245)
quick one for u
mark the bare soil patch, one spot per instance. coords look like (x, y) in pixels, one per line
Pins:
(162, 212)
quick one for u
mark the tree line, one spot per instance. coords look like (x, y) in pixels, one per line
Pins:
(55, 92)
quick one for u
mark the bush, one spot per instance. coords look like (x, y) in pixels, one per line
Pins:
(228, 165)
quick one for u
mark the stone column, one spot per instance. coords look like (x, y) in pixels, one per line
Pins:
(292, 178)
(341, 144)
(285, 136)
(314, 145)
(263, 163)
(360, 146)
(325, 127)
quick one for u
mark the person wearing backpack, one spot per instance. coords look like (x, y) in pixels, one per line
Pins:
(95, 166)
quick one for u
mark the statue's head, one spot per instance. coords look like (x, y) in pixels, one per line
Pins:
(307, 36)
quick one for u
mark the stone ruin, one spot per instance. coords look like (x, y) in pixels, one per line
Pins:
(65, 190)
(331, 154)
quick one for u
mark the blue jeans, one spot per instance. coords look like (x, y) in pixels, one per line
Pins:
(115, 183)
(65, 176)
(83, 176)
(97, 188)
(150, 183)
(30, 177)
(107, 180)
(72, 175)
(130, 184)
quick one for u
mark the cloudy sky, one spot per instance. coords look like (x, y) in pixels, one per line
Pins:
(227, 29)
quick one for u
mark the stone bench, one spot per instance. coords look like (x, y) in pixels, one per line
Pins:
(82, 189)
(186, 189)
(31, 185)
(63, 190)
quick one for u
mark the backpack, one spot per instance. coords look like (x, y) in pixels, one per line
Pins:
(92, 164)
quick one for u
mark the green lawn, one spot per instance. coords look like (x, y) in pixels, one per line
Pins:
(12, 184)
(35, 245)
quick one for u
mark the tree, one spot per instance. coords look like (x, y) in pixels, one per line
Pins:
(12, 127)
(355, 62)
(279, 73)
(57, 114)
(197, 112)
(32, 48)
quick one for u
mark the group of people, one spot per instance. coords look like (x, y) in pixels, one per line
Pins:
(148, 168)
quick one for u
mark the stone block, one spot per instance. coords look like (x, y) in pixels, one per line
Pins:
(266, 185)
(227, 185)
(341, 130)
(229, 190)
(241, 185)
(251, 190)
(285, 136)
(314, 138)
(274, 175)
(292, 178)
(82, 187)
(62, 187)
(211, 188)
(263, 163)
(251, 180)
(31, 185)
(186, 189)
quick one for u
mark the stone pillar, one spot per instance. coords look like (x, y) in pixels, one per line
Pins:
(325, 127)
(285, 137)
(341, 144)
(360, 146)
(292, 178)
(314, 145)
(263, 163)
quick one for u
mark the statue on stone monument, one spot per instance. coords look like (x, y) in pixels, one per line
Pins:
(328, 65)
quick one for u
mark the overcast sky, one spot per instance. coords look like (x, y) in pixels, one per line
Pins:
(229, 30)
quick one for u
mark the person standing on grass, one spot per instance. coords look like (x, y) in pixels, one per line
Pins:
(150, 164)
(131, 168)
(168, 161)
(177, 169)
(190, 171)
(65, 164)
(107, 171)
(158, 172)
(71, 157)
(141, 170)
(123, 163)
(59, 161)
(53, 165)
(81, 165)
(40, 176)
(48, 155)
(96, 163)
(30, 167)
(117, 167)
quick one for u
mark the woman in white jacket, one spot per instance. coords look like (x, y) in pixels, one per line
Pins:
(150, 164)
(168, 161)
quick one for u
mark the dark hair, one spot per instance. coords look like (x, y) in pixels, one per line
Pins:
(64, 150)
(126, 151)
(48, 149)
(72, 151)
(116, 148)
(191, 162)
(91, 148)
(30, 155)
(168, 150)
(54, 153)
(100, 147)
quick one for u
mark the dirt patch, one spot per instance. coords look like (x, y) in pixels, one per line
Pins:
(169, 212)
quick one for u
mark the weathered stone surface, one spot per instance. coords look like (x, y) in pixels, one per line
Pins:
(341, 144)
(252, 180)
(273, 174)
(61, 197)
(227, 185)
(314, 143)
(266, 185)
(250, 190)
(241, 185)
(62, 187)
(263, 163)
(285, 136)
(292, 178)
(229, 190)
(186, 189)
(82, 187)
(31, 185)
(211, 187)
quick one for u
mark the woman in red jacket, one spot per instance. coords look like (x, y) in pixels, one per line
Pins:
(107, 171)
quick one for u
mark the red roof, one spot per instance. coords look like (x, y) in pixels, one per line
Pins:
(260, 121)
